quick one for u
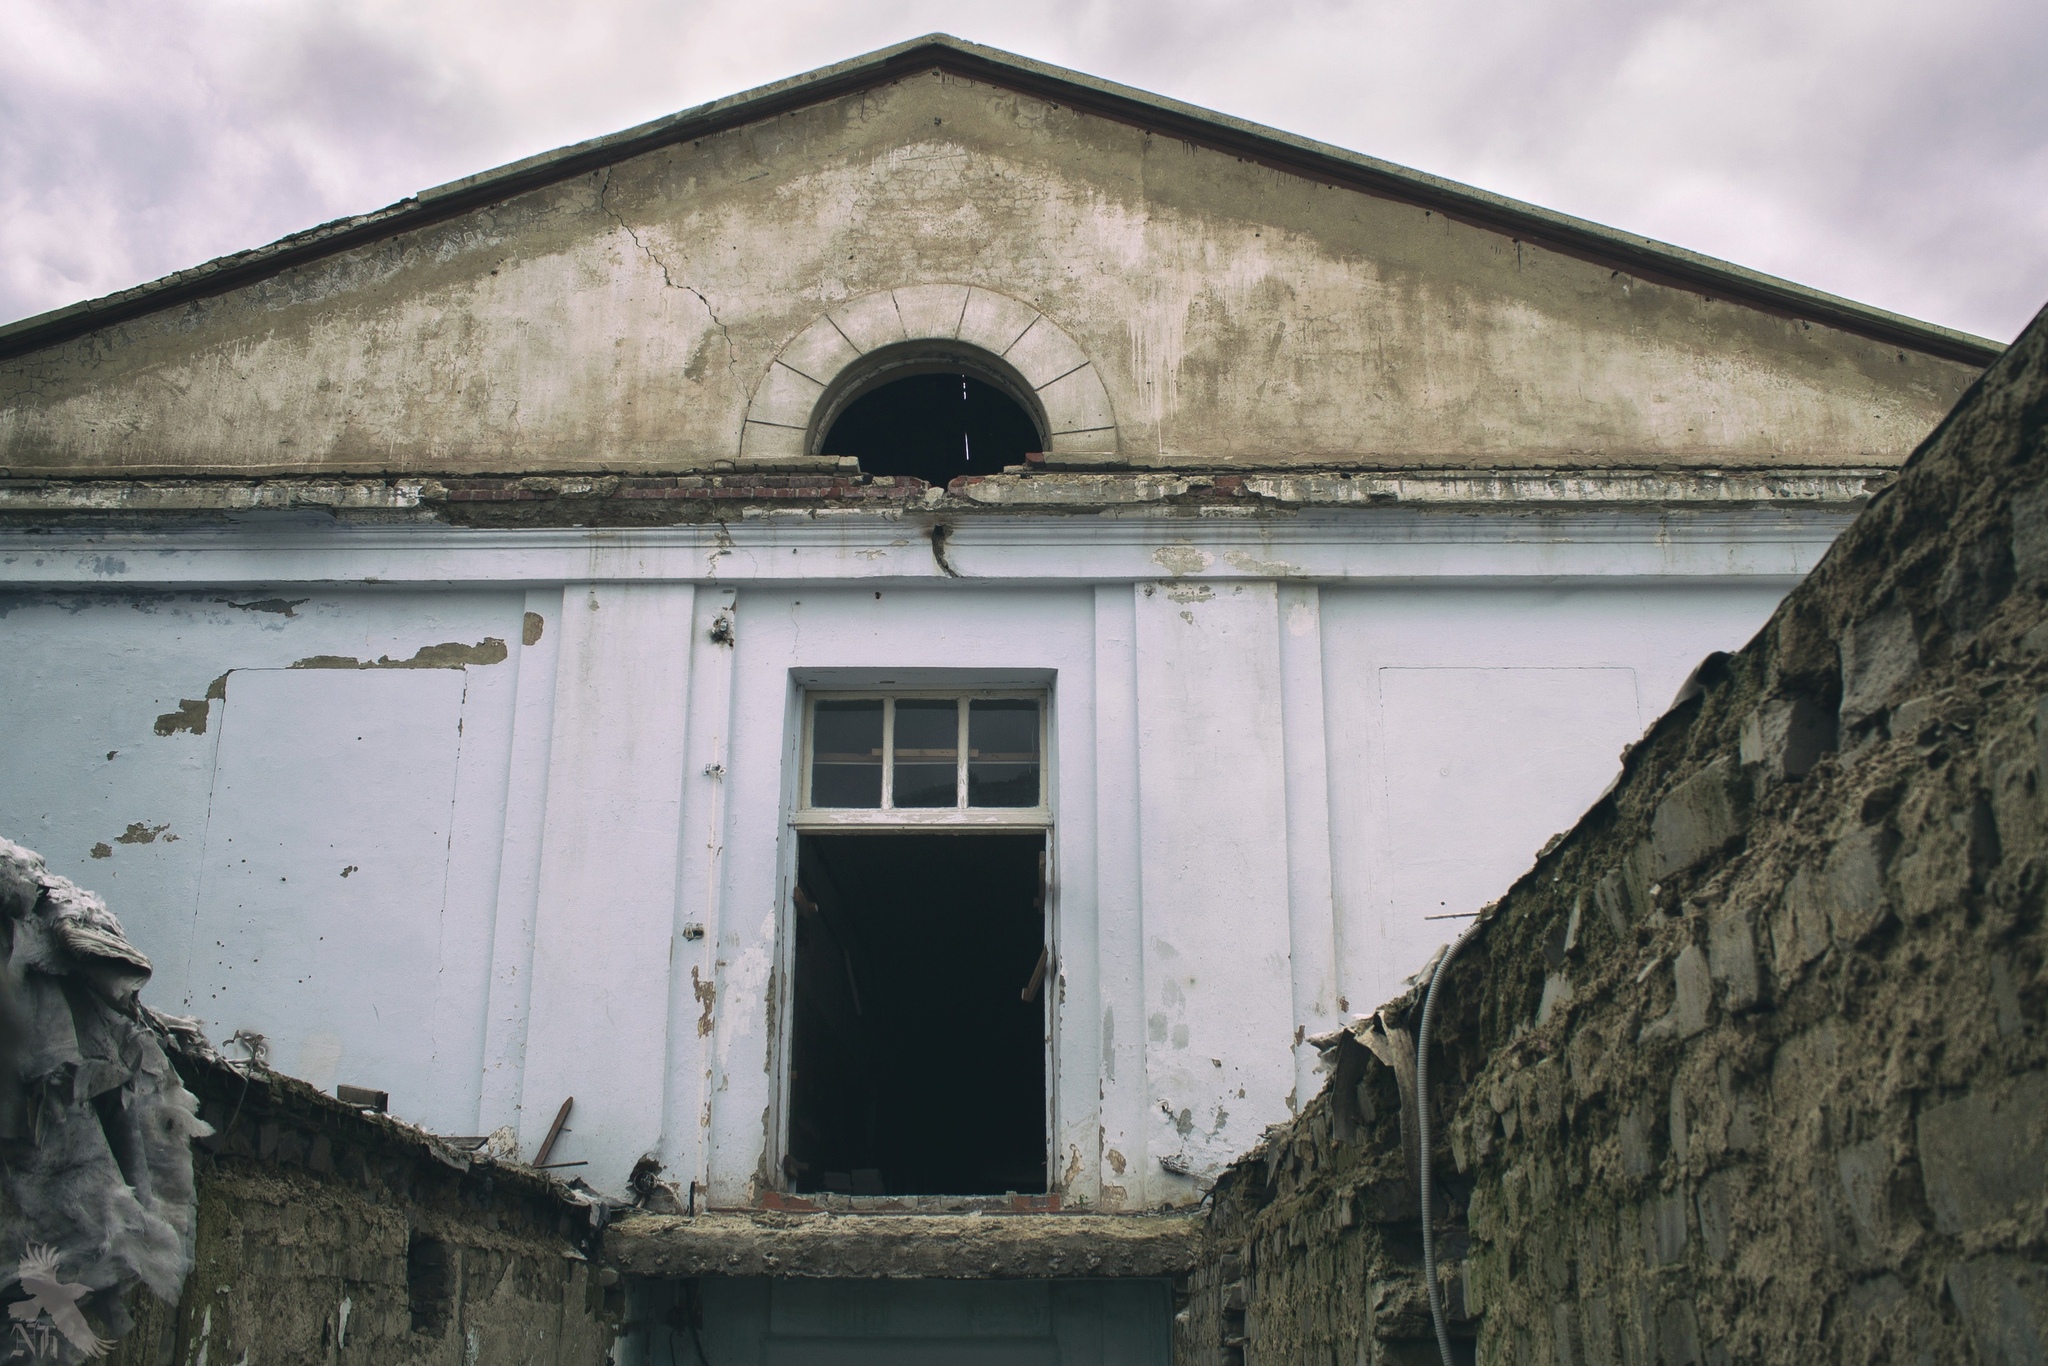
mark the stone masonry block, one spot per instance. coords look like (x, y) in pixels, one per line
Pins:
(2030, 537)
(1853, 883)
(994, 321)
(1841, 898)
(1978, 576)
(1717, 1203)
(785, 398)
(1076, 403)
(1637, 1158)
(1786, 737)
(1731, 953)
(1880, 655)
(1698, 818)
(870, 321)
(818, 353)
(1664, 1230)
(1611, 895)
(931, 311)
(1981, 1155)
(2004, 1303)
(1692, 997)
(1678, 1335)
(1044, 353)
(1799, 930)
(760, 441)
(1865, 1170)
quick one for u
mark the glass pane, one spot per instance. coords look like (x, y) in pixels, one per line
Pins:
(1002, 752)
(846, 754)
(927, 751)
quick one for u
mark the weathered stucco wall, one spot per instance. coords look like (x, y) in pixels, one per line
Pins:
(327, 1235)
(1238, 315)
(1750, 1067)
(421, 878)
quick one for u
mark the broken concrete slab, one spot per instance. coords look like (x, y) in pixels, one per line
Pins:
(906, 1246)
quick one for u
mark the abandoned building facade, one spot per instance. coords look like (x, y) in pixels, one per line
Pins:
(918, 632)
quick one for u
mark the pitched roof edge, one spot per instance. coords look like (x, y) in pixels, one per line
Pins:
(1642, 256)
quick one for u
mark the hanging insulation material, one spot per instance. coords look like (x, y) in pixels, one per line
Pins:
(95, 1126)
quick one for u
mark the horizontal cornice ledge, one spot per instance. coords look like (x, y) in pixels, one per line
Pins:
(1363, 545)
(709, 496)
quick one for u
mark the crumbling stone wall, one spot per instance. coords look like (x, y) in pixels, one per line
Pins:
(1751, 1066)
(327, 1234)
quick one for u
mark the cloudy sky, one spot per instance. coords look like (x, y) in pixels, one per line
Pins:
(1895, 151)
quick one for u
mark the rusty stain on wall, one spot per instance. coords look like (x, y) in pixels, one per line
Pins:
(451, 654)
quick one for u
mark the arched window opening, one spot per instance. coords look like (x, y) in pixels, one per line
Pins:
(935, 425)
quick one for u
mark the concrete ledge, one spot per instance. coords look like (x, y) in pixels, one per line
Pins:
(905, 1246)
(826, 479)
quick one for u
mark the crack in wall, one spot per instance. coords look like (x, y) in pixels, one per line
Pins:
(604, 186)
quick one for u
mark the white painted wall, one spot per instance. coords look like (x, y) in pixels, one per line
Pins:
(1278, 749)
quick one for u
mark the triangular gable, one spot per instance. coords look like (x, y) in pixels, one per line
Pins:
(1642, 257)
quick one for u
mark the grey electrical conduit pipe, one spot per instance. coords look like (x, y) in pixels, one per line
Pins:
(1436, 1299)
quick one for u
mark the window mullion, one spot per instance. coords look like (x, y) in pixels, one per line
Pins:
(960, 755)
(888, 753)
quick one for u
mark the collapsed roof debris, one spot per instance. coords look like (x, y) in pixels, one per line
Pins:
(95, 1125)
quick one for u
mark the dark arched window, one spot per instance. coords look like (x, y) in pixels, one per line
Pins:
(923, 416)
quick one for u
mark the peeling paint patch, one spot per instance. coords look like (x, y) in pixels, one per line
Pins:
(452, 654)
(281, 606)
(531, 628)
(138, 833)
(191, 714)
(1190, 592)
(1182, 559)
(103, 850)
(189, 717)
(1116, 1161)
(707, 996)
(1250, 564)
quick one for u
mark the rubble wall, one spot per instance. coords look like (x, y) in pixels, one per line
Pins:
(326, 1234)
(1750, 1067)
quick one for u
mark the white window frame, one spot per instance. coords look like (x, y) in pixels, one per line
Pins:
(888, 817)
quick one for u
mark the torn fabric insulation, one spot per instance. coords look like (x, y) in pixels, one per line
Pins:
(95, 1125)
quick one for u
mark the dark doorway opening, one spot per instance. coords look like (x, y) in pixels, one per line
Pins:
(935, 426)
(918, 1055)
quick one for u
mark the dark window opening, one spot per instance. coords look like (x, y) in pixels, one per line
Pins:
(918, 1055)
(935, 427)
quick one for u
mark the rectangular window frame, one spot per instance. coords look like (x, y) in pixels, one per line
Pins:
(891, 817)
